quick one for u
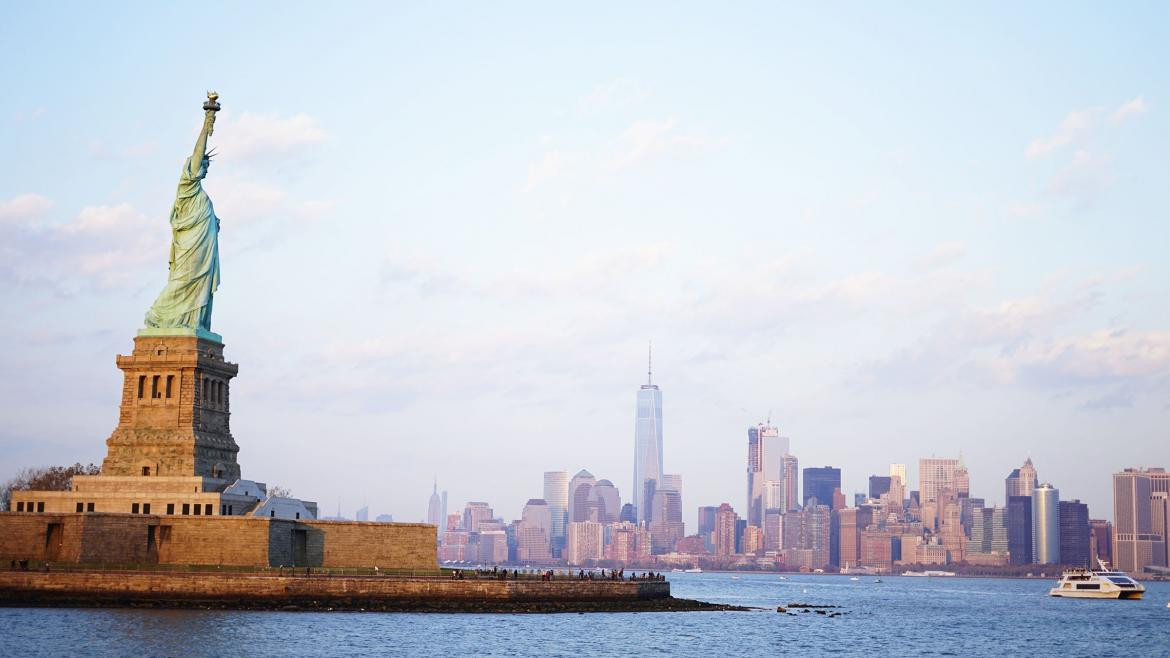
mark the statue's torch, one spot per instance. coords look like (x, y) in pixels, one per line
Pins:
(211, 107)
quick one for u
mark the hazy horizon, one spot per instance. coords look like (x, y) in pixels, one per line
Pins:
(449, 233)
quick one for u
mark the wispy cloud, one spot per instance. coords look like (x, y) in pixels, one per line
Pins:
(24, 208)
(254, 135)
(1129, 109)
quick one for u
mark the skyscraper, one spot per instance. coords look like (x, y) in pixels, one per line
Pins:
(532, 532)
(475, 513)
(1046, 525)
(725, 518)
(935, 475)
(582, 506)
(1101, 541)
(1074, 534)
(766, 450)
(1019, 521)
(609, 501)
(647, 443)
(820, 483)
(1136, 541)
(899, 471)
(556, 494)
(789, 482)
(878, 485)
(1021, 481)
(435, 509)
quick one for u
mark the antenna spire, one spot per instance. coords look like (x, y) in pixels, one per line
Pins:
(649, 362)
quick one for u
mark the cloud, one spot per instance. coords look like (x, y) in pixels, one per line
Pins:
(104, 245)
(24, 208)
(1129, 110)
(644, 139)
(254, 135)
(944, 254)
(1085, 176)
(1075, 127)
(1079, 126)
(619, 93)
(553, 164)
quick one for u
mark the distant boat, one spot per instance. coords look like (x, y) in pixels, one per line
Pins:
(877, 580)
(785, 578)
(676, 570)
(694, 570)
(854, 578)
(735, 577)
(928, 573)
(1102, 583)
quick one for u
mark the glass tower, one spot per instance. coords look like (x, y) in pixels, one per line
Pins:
(556, 494)
(647, 445)
(1045, 525)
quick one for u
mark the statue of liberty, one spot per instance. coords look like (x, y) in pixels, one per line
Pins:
(184, 305)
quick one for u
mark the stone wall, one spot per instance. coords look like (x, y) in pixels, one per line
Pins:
(244, 588)
(218, 540)
(357, 544)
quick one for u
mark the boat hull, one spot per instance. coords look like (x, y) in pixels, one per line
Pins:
(1083, 594)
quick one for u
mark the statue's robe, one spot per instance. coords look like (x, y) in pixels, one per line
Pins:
(185, 302)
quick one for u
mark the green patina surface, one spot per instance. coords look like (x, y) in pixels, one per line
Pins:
(184, 305)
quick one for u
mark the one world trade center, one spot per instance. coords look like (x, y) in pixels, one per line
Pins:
(647, 446)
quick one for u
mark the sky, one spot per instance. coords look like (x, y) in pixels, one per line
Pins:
(450, 230)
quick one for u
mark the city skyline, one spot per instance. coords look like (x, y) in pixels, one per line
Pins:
(897, 259)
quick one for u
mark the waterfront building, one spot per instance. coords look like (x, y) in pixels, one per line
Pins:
(876, 550)
(1021, 481)
(753, 540)
(628, 544)
(1046, 525)
(815, 532)
(492, 546)
(556, 494)
(989, 536)
(586, 542)
(937, 474)
(725, 518)
(1074, 534)
(740, 526)
(820, 483)
(899, 471)
(532, 533)
(967, 509)
(475, 514)
(766, 450)
(1160, 515)
(773, 530)
(608, 501)
(1136, 542)
(707, 525)
(629, 514)
(950, 525)
(666, 525)
(878, 485)
(1101, 541)
(692, 545)
(1019, 519)
(790, 469)
(850, 522)
(647, 444)
(582, 505)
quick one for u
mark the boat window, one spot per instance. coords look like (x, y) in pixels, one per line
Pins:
(1120, 581)
(1088, 585)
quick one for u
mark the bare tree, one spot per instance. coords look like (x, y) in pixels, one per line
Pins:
(44, 478)
(278, 491)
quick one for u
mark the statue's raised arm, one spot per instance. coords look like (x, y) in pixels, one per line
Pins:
(184, 305)
(209, 110)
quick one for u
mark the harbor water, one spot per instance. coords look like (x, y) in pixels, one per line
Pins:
(903, 616)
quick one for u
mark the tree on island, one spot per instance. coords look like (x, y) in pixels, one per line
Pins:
(44, 478)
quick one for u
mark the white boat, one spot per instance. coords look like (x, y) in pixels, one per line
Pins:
(694, 570)
(877, 580)
(854, 578)
(1097, 584)
(928, 573)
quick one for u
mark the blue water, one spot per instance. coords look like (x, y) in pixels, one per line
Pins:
(900, 616)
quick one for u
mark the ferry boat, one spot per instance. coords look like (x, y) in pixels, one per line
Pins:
(1097, 584)
(694, 570)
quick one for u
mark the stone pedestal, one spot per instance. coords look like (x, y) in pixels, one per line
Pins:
(175, 411)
